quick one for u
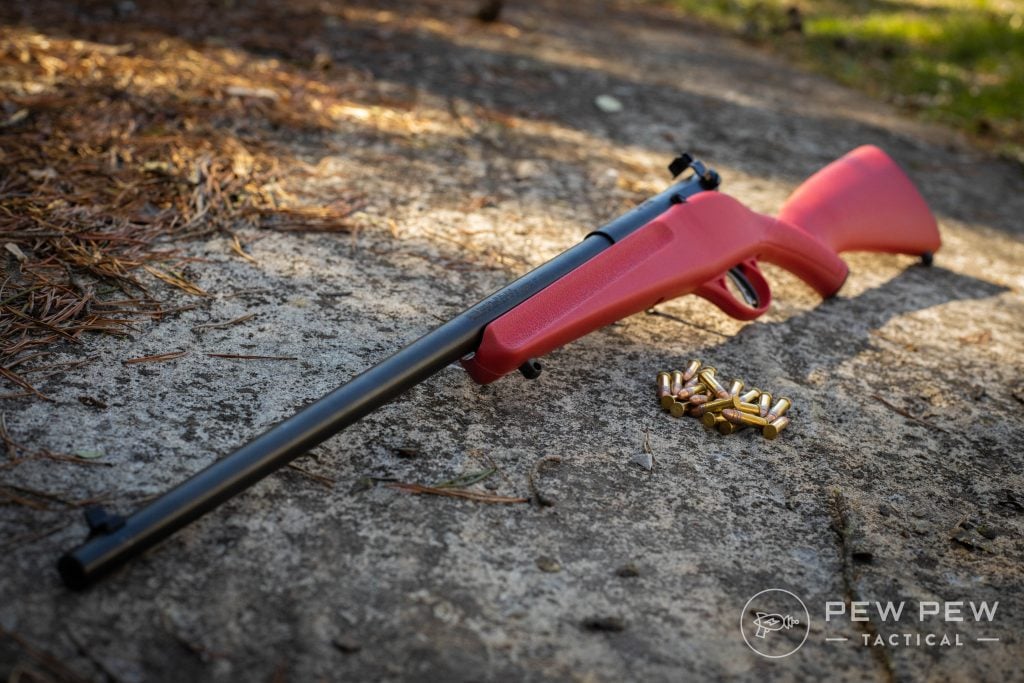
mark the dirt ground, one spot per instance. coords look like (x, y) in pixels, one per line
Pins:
(480, 153)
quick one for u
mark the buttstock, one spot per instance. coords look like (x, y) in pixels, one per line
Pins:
(863, 201)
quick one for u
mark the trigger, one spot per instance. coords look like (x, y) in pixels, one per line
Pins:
(749, 284)
(744, 286)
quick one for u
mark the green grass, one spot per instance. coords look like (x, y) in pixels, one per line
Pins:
(959, 62)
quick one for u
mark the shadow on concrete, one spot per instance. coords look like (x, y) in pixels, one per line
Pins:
(840, 328)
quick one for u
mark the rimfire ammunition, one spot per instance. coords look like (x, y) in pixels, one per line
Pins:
(678, 409)
(749, 408)
(698, 411)
(740, 418)
(722, 403)
(710, 419)
(779, 409)
(690, 392)
(665, 396)
(664, 386)
(771, 431)
(707, 376)
(697, 391)
(677, 382)
(691, 370)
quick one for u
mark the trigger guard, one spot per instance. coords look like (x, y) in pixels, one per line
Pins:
(717, 292)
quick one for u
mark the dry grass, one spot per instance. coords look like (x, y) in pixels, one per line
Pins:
(113, 151)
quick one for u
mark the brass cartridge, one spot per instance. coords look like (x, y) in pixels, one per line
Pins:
(771, 430)
(690, 392)
(698, 411)
(699, 399)
(707, 377)
(751, 396)
(744, 419)
(722, 403)
(665, 396)
(691, 370)
(749, 408)
(779, 409)
(677, 382)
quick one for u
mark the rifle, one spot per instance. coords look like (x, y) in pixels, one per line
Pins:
(689, 239)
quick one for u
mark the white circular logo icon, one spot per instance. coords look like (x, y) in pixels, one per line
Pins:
(775, 623)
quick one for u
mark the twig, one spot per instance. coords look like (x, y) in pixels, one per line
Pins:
(495, 466)
(464, 480)
(56, 366)
(908, 415)
(20, 394)
(239, 356)
(20, 500)
(245, 292)
(30, 538)
(45, 495)
(161, 312)
(176, 280)
(75, 460)
(326, 481)
(82, 650)
(47, 660)
(15, 378)
(25, 359)
(675, 318)
(229, 323)
(456, 493)
(157, 358)
(236, 246)
(539, 498)
(12, 446)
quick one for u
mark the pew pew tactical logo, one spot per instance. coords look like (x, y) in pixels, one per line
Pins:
(935, 623)
(775, 623)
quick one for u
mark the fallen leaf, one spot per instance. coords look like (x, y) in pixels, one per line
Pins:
(17, 252)
(608, 104)
(88, 455)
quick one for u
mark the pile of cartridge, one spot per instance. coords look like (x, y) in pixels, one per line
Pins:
(697, 392)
